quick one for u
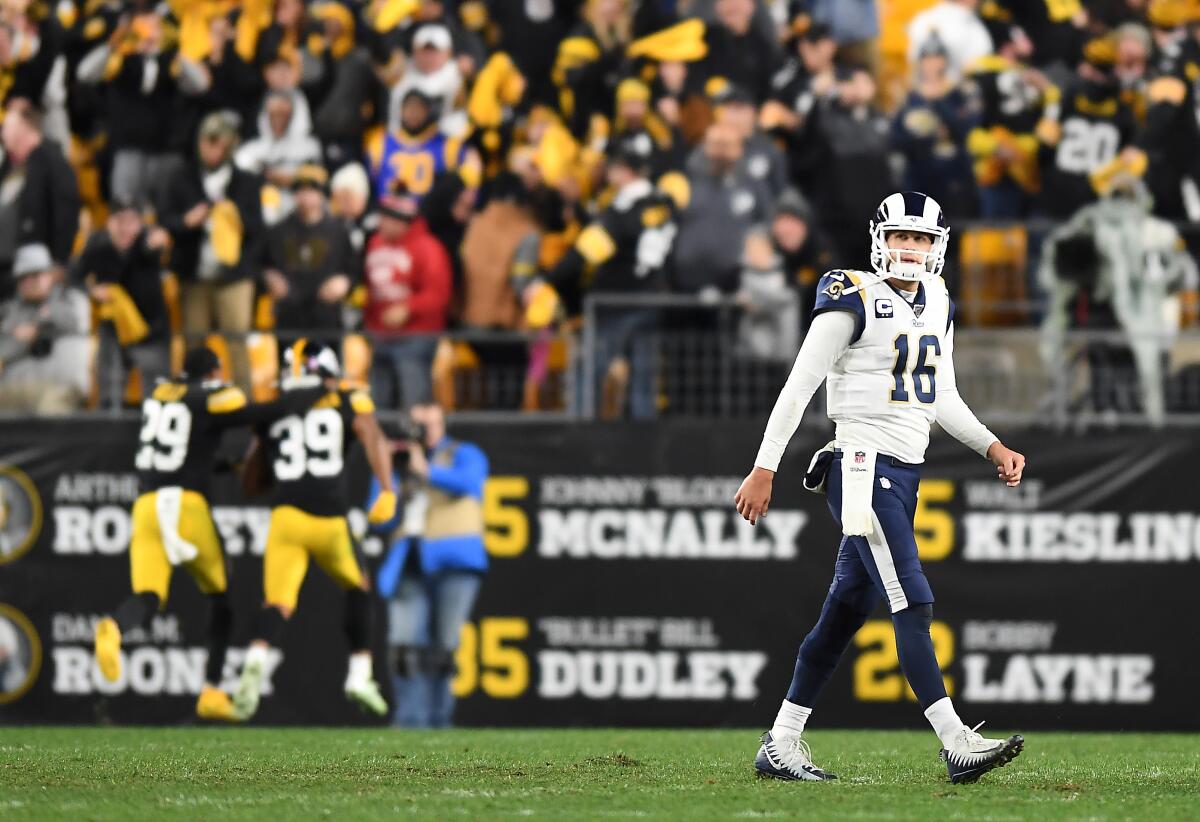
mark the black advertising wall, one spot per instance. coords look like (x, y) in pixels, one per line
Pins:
(624, 590)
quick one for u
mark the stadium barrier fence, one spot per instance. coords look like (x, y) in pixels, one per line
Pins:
(624, 589)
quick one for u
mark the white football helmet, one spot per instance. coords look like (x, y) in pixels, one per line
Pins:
(306, 363)
(911, 211)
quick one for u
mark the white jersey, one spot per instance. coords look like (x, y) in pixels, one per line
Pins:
(890, 367)
(882, 391)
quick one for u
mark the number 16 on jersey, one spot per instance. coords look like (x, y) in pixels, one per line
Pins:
(923, 375)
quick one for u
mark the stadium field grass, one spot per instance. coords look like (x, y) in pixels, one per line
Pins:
(283, 774)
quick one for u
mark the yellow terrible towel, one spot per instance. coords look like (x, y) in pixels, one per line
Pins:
(119, 309)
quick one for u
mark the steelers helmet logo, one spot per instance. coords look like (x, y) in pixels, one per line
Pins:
(20, 654)
(20, 513)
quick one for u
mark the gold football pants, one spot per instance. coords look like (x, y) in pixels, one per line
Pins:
(292, 538)
(148, 563)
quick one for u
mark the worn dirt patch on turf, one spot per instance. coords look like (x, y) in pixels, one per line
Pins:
(619, 759)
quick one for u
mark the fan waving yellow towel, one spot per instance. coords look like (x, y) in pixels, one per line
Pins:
(543, 306)
(499, 84)
(255, 17)
(683, 42)
(119, 309)
(227, 233)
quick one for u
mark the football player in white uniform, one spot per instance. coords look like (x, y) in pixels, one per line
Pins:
(884, 339)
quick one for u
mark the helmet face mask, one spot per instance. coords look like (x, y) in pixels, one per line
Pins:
(909, 211)
(909, 269)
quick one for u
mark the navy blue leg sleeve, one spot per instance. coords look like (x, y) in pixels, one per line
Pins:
(917, 659)
(821, 650)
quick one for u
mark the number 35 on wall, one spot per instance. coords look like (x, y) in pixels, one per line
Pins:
(487, 660)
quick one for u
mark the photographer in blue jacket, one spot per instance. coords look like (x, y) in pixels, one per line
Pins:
(433, 570)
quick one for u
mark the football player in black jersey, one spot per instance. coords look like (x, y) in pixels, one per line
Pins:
(305, 460)
(182, 424)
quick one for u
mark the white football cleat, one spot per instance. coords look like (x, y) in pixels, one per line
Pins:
(971, 755)
(788, 759)
(366, 695)
(248, 692)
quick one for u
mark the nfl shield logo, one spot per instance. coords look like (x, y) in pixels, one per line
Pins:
(859, 456)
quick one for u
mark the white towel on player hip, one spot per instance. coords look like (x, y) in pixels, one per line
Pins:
(168, 503)
(858, 485)
(818, 469)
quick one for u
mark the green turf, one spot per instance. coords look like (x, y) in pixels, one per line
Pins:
(283, 774)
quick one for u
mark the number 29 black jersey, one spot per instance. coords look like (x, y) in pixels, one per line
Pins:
(306, 453)
(182, 424)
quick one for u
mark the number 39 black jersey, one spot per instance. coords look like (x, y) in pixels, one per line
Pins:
(306, 453)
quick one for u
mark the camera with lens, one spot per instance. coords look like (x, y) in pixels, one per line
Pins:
(411, 431)
(409, 434)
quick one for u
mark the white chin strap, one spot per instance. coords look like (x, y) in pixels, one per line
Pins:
(871, 279)
(913, 272)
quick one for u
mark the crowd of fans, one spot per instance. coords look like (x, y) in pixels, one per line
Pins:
(404, 167)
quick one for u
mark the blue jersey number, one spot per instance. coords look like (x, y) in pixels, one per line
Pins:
(923, 374)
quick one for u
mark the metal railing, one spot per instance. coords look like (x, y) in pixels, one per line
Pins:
(1081, 380)
(696, 363)
(690, 362)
